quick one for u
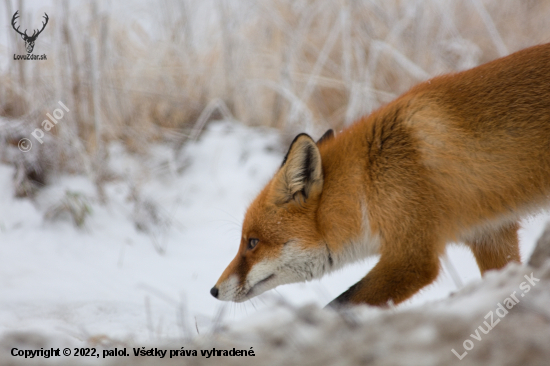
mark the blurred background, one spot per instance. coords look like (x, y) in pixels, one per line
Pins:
(147, 71)
(135, 197)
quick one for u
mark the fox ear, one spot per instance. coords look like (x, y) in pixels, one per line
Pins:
(326, 136)
(301, 175)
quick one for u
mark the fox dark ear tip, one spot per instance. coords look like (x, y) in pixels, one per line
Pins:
(300, 135)
(292, 143)
(326, 136)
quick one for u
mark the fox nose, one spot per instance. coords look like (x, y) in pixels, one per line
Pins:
(214, 292)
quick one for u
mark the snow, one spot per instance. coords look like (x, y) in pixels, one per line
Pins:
(110, 279)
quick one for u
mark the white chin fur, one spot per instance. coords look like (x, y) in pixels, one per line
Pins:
(294, 264)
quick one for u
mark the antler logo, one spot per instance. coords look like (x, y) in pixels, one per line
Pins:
(29, 40)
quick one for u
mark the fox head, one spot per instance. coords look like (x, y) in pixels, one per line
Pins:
(280, 241)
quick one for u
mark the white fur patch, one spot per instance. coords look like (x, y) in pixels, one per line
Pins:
(228, 288)
(364, 245)
(298, 264)
(295, 264)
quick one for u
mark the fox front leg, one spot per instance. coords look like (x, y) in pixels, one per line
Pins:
(390, 282)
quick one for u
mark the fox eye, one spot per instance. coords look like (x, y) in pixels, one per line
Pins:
(252, 243)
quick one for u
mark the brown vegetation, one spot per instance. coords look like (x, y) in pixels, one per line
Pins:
(292, 65)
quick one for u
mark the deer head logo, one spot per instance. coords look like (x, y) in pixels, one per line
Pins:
(29, 40)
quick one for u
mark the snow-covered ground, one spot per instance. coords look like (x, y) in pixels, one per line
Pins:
(143, 263)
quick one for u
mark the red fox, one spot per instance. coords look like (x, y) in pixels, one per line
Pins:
(458, 158)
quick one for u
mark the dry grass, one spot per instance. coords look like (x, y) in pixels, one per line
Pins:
(289, 64)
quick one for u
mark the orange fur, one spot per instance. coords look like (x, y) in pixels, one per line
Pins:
(460, 157)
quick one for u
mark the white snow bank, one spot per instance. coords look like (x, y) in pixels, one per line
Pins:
(141, 267)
